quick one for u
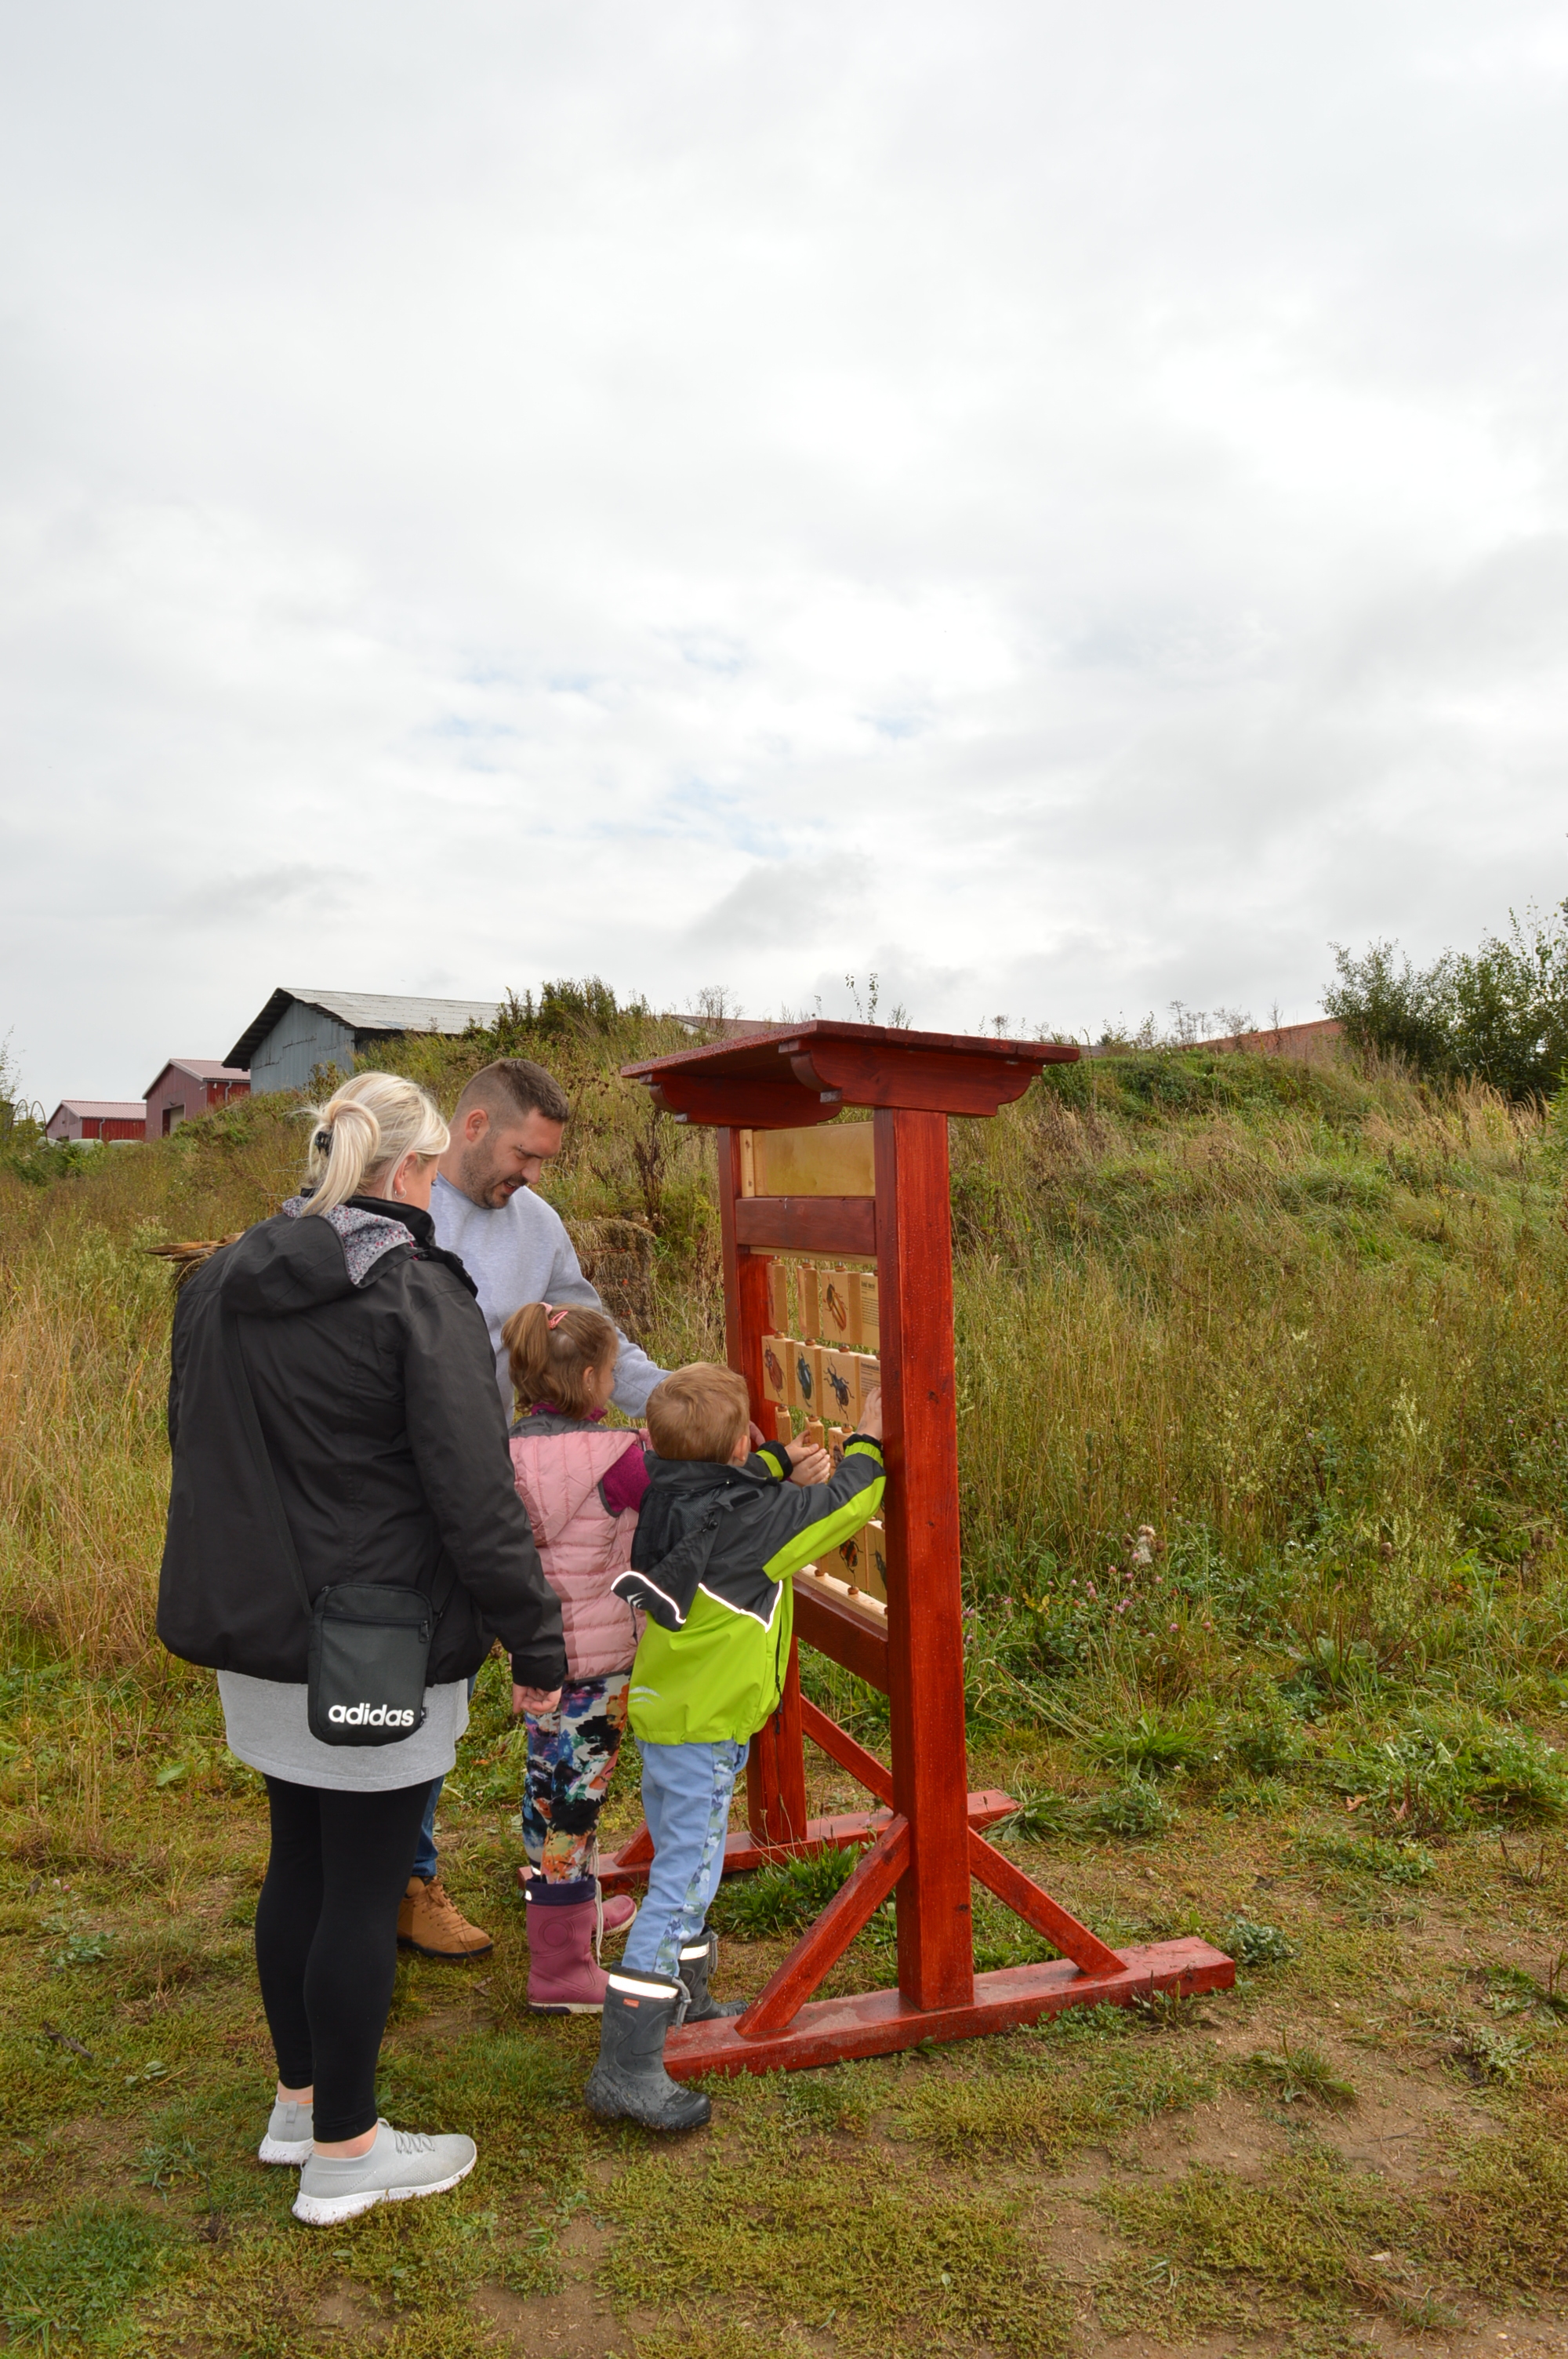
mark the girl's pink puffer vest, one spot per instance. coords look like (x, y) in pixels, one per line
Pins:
(580, 1544)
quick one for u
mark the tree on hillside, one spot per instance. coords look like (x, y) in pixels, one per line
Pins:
(1498, 1013)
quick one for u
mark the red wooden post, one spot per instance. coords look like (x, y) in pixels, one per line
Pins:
(926, 1627)
(776, 1769)
(745, 1281)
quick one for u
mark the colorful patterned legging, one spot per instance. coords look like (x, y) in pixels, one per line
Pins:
(573, 1754)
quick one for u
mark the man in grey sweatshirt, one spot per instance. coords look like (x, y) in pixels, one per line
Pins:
(508, 1123)
(515, 1246)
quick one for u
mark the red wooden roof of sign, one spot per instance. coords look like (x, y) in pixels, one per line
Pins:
(802, 1073)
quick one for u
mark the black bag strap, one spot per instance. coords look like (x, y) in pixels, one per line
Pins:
(277, 1515)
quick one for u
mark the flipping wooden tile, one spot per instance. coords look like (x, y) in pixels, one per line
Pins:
(778, 1297)
(837, 1437)
(834, 1296)
(846, 1563)
(866, 1375)
(777, 1351)
(874, 1557)
(840, 1397)
(864, 1330)
(807, 1281)
(806, 1379)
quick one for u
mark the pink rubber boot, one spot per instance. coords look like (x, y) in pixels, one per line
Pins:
(563, 1977)
(620, 1908)
(620, 1913)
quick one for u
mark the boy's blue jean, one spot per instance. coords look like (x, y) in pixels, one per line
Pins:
(685, 1800)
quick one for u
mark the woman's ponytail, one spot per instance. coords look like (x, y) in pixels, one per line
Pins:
(364, 1132)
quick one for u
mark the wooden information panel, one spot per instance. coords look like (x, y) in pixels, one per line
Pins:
(854, 1192)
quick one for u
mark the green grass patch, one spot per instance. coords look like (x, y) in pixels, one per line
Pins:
(868, 2251)
(66, 2283)
(1243, 2251)
(1040, 2097)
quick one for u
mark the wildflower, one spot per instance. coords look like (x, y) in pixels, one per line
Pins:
(1089, 1590)
(1172, 1626)
(1126, 1576)
(1122, 1607)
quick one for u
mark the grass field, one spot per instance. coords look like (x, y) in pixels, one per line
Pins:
(1309, 1327)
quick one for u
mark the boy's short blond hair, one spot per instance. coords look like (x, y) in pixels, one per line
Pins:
(700, 1411)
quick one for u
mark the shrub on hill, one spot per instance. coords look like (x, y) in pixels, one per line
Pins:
(1498, 1013)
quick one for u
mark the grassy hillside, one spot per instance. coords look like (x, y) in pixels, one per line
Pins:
(1308, 1329)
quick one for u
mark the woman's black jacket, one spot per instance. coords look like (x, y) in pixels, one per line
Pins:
(375, 1383)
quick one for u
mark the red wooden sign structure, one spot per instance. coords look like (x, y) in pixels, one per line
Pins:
(925, 1842)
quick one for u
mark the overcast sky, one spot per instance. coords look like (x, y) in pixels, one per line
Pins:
(1063, 506)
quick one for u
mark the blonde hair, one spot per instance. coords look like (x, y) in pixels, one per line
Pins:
(365, 1129)
(700, 1412)
(551, 1352)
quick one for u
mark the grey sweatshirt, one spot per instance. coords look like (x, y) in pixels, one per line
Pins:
(521, 1252)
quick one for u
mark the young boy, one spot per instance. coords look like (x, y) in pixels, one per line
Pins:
(721, 1532)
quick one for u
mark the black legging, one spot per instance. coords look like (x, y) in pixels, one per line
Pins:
(327, 1939)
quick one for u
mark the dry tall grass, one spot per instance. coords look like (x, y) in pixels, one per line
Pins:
(1312, 1324)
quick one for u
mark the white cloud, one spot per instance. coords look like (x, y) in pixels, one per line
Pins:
(1065, 507)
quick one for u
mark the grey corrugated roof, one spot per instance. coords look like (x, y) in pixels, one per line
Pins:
(365, 1011)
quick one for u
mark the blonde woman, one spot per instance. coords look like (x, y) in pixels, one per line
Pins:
(378, 1436)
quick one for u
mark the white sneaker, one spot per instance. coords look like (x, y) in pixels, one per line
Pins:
(398, 2166)
(287, 2135)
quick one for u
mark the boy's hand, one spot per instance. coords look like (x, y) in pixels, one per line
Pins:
(812, 1465)
(538, 1700)
(871, 1422)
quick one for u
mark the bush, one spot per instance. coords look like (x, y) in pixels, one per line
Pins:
(1498, 1013)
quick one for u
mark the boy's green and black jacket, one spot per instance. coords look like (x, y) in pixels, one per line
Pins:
(711, 1567)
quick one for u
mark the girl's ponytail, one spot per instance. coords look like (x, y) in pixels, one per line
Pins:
(551, 1349)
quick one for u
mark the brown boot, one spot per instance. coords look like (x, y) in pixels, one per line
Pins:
(428, 1921)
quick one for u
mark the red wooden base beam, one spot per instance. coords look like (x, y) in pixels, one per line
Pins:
(743, 1852)
(832, 2031)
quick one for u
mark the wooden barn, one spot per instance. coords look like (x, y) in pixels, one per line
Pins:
(299, 1030)
(104, 1121)
(189, 1086)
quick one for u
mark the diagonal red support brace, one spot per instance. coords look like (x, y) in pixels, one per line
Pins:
(1035, 1905)
(780, 2000)
(841, 1746)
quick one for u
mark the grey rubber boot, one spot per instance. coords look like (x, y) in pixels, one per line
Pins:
(698, 1959)
(630, 2082)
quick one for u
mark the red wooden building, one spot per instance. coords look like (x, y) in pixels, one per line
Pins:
(97, 1119)
(189, 1086)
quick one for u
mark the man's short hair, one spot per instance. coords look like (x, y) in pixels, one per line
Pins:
(513, 1086)
(700, 1411)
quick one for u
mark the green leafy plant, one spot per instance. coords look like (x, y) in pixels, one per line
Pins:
(1252, 1944)
(1156, 1745)
(1295, 2073)
(782, 1896)
(1131, 1810)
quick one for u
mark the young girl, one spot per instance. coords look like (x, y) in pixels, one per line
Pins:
(582, 1486)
